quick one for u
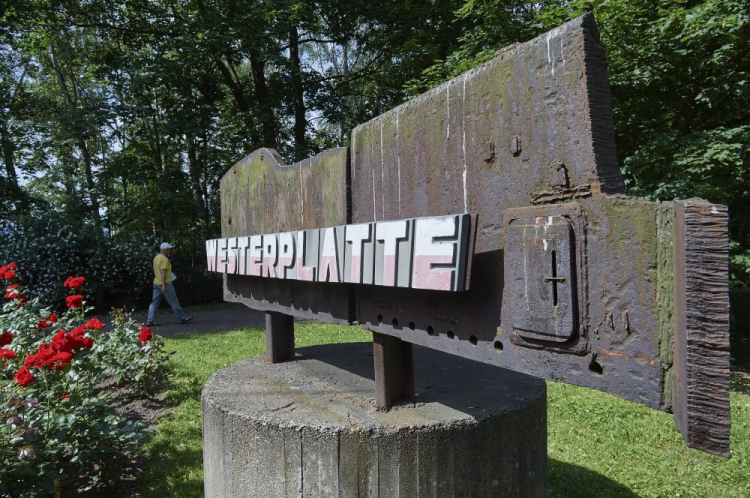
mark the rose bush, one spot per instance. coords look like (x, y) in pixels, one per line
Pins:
(58, 376)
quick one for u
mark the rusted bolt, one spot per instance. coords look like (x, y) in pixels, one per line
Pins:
(559, 175)
(261, 154)
(515, 146)
(490, 158)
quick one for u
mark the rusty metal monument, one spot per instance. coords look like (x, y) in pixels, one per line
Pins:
(487, 219)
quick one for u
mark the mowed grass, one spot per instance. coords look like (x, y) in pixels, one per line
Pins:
(599, 445)
(175, 450)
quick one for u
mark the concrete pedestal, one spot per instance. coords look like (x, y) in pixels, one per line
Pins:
(310, 428)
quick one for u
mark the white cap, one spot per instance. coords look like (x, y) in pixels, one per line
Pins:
(165, 245)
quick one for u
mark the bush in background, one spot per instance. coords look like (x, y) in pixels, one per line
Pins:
(51, 246)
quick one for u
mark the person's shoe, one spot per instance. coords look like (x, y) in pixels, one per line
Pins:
(152, 324)
(186, 319)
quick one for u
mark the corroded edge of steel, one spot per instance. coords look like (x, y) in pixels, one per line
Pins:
(665, 215)
(601, 120)
(702, 375)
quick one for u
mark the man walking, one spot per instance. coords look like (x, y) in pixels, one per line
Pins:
(163, 278)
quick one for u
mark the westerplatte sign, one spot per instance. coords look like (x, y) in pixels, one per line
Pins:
(423, 253)
(487, 219)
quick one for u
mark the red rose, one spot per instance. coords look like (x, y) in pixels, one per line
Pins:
(52, 318)
(74, 301)
(94, 324)
(42, 358)
(72, 341)
(74, 282)
(77, 332)
(6, 338)
(7, 354)
(23, 377)
(145, 335)
(61, 343)
(10, 291)
(6, 272)
(60, 360)
(43, 324)
(65, 396)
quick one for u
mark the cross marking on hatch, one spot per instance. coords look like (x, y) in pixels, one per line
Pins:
(555, 279)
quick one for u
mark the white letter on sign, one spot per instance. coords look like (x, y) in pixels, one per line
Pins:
(232, 255)
(221, 256)
(286, 255)
(211, 254)
(356, 235)
(329, 258)
(389, 233)
(434, 253)
(270, 251)
(242, 243)
(256, 255)
(306, 273)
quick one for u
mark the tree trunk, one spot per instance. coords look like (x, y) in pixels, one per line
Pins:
(124, 193)
(195, 186)
(268, 120)
(234, 86)
(85, 155)
(298, 94)
(8, 158)
(90, 180)
(345, 64)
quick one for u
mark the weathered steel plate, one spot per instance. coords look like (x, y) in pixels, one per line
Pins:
(524, 142)
(532, 126)
(260, 194)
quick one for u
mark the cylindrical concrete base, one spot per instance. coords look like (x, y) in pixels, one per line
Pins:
(310, 428)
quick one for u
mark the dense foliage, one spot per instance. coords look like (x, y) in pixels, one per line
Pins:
(50, 246)
(124, 115)
(58, 376)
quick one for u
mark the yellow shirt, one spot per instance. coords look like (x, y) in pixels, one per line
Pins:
(162, 263)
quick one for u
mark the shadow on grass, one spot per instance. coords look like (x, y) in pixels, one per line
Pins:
(168, 460)
(740, 340)
(566, 479)
(740, 383)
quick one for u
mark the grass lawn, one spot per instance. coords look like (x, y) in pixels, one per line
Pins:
(599, 445)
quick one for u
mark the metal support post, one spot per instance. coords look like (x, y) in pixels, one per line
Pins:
(394, 370)
(279, 337)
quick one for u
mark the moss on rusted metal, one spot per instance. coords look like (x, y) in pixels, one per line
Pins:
(665, 299)
(632, 222)
(332, 171)
(263, 195)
